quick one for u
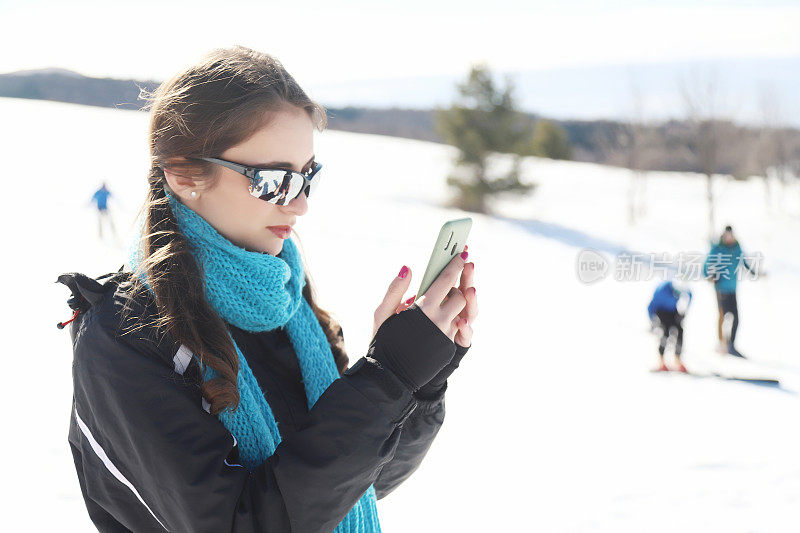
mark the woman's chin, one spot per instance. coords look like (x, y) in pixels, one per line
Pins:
(274, 248)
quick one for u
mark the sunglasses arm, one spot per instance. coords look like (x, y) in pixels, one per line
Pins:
(248, 172)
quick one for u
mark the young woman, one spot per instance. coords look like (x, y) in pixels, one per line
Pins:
(211, 393)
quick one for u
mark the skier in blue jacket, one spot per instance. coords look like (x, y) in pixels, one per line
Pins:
(666, 310)
(722, 266)
(100, 199)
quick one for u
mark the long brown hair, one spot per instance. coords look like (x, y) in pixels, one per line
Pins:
(200, 112)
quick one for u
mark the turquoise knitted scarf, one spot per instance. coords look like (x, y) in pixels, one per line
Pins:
(257, 292)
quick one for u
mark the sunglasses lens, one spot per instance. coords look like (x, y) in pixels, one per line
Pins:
(281, 187)
(267, 185)
(314, 181)
(274, 186)
(295, 183)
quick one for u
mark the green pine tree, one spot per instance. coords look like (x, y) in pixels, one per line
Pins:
(482, 121)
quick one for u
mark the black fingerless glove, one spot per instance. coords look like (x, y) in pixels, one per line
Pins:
(435, 387)
(412, 347)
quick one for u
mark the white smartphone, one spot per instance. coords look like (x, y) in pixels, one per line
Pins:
(450, 242)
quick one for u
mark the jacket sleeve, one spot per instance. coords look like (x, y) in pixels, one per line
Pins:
(150, 458)
(416, 438)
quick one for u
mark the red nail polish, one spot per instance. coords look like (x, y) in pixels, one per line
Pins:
(403, 272)
(464, 255)
(411, 299)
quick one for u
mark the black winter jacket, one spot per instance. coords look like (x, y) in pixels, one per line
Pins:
(150, 457)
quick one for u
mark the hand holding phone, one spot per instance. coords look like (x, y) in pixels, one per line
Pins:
(443, 303)
(449, 243)
(442, 308)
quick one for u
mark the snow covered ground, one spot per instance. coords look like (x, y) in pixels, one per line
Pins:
(554, 421)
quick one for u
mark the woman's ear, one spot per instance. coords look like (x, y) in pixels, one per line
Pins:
(183, 187)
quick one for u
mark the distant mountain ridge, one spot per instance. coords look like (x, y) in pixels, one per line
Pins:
(51, 70)
(592, 140)
(64, 85)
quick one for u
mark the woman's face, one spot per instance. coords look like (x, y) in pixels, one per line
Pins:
(287, 141)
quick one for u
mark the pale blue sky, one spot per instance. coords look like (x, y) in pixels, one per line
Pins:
(331, 41)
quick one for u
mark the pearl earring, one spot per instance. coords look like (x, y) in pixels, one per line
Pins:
(193, 194)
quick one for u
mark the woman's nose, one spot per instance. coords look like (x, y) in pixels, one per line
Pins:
(299, 205)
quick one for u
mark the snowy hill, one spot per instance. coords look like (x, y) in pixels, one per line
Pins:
(554, 421)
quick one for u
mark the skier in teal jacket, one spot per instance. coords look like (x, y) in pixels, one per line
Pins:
(721, 266)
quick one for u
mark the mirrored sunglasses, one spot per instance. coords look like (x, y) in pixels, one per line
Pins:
(277, 186)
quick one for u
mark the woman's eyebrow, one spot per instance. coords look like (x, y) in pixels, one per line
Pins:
(280, 163)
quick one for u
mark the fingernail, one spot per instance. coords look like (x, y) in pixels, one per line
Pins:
(464, 255)
(403, 272)
(411, 299)
(465, 246)
(463, 321)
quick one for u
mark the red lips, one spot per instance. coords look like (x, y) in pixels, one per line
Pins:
(281, 231)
